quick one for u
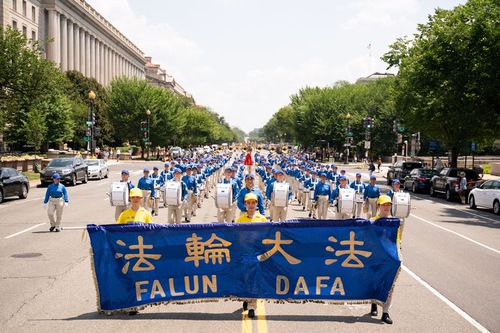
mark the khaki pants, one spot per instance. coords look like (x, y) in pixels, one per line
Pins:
(357, 209)
(372, 208)
(311, 207)
(145, 195)
(56, 205)
(279, 213)
(226, 214)
(190, 206)
(323, 203)
(303, 197)
(175, 214)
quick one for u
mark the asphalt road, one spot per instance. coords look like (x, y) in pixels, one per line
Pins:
(449, 282)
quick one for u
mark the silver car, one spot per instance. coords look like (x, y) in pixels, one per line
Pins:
(97, 168)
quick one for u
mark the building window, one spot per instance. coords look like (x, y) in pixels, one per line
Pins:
(25, 31)
(33, 35)
(33, 13)
(24, 7)
(14, 4)
(14, 25)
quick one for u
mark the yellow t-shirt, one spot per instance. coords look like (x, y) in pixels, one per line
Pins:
(129, 215)
(256, 218)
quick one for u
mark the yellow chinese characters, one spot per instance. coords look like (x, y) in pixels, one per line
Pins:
(142, 264)
(277, 248)
(215, 249)
(352, 260)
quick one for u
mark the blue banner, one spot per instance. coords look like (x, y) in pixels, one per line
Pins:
(332, 260)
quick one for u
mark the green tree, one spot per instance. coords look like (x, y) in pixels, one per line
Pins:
(449, 75)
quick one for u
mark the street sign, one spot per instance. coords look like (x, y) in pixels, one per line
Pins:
(347, 144)
(433, 145)
(473, 146)
(86, 139)
(367, 144)
(349, 134)
(144, 139)
(401, 129)
(89, 123)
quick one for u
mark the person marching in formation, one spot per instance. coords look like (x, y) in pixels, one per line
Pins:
(370, 196)
(56, 197)
(279, 210)
(396, 187)
(175, 211)
(192, 186)
(310, 185)
(250, 188)
(147, 186)
(124, 179)
(136, 213)
(157, 184)
(227, 214)
(359, 187)
(323, 196)
(335, 198)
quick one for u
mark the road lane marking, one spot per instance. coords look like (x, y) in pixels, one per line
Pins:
(23, 231)
(467, 212)
(260, 314)
(456, 233)
(452, 305)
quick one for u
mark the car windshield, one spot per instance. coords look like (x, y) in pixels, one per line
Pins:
(428, 172)
(411, 166)
(60, 163)
(92, 162)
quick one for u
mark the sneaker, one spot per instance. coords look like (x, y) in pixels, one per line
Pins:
(310, 214)
(245, 306)
(251, 313)
(156, 214)
(58, 229)
(51, 229)
(133, 313)
(386, 319)
(374, 311)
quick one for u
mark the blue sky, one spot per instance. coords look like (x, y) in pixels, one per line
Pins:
(245, 58)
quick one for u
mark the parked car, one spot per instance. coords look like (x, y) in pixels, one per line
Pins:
(13, 183)
(97, 168)
(400, 169)
(447, 182)
(419, 179)
(71, 170)
(176, 152)
(486, 195)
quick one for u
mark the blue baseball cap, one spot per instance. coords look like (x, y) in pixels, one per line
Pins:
(279, 172)
(167, 164)
(155, 168)
(125, 171)
(249, 175)
(395, 181)
(177, 170)
(56, 176)
(342, 177)
(343, 170)
(373, 177)
(314, 171)
(334, 166)
(145, 170)
(322, 174)
(358, 175)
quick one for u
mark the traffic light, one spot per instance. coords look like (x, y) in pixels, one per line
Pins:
(367, 136)
(145, 136)
(368, 122)
(144, 126)
(88, 132)
(97, 131)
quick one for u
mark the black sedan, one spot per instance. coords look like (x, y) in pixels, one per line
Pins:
(13, 183)
(419, 180)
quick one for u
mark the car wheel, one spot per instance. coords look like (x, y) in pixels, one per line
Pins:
(107, 173)
(73, 180)
(496, 207)
(472, 202)
(24, 192)
(431, 191)
(414, 188)
(448, 194)
(85, 178)
(1, 196)
(100, 175)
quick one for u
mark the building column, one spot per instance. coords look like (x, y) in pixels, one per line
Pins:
(71, 47)
(77, 47)
(106, 64)
(87, 54)
(97, 60)
(52, 34)
(92, 56)
(64, 43)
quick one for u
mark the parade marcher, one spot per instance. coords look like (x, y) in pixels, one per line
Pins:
(310, 184)
(125, 179)
(359, 187)
(227, 214)
(56, 197)
(157, 185)
(396, 187)
(462, 187)
(384, 204)
(334, 198)
(322, 196)
(200, 183)
(147, 186)
(279, 212)
(342, 173)
(251, 215)
(370, 196)
(175, 211)
(192, 186)
(136, 213)
(248, 160)
(250, 188)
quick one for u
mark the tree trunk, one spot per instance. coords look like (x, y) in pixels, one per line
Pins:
(454, 157)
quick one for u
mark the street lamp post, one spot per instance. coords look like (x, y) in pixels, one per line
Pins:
(91, 122)
(148, 143)
(347, 117)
